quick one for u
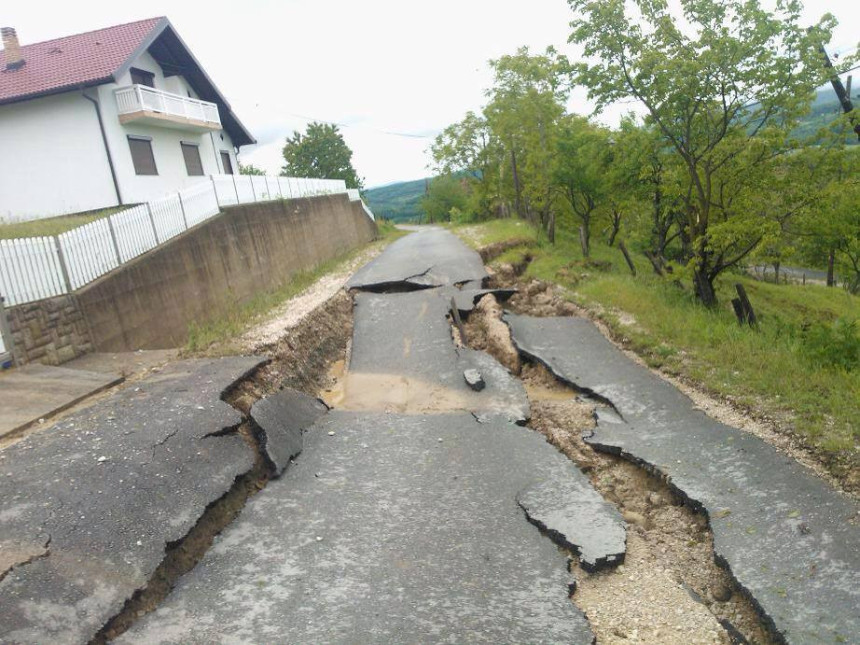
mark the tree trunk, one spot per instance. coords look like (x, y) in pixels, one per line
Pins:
(516, 178)
(616, 227)
(776, 272)
(831, 259)
(550, 231)
(583, 239)
(704, 288)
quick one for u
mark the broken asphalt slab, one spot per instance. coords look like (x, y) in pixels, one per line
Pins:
(428, 258)
(404, 359)
(387, 529)
(89, 505)
(467, 299)
(282, 418)
(577, 518)
(789, 540)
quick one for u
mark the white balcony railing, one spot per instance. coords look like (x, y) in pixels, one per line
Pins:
(140, 98)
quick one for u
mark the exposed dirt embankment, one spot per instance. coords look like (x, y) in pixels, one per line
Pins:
(670, 589)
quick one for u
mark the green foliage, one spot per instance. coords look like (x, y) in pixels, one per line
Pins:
(835, 346)
(446, 200)
(724, 92)
(320, 153)
(251, 169)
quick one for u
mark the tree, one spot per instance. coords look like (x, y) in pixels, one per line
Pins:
(320, 153)
(250, 169)
(724, 91)
(468, 148)
(581, 170)
(829, 232)
(527, 101)
(446, 199)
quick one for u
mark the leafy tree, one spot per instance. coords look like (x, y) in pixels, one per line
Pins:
(584, 157)
(250, 169)
(724, 90)
(468, 148)
(526, 103)
(446, 199)
(320, 153)
(829, 232)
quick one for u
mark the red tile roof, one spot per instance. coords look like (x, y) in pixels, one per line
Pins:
(72, 61)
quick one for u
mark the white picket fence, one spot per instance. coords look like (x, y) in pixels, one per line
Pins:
(34, 268)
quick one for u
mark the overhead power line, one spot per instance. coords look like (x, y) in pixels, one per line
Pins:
(392, 133)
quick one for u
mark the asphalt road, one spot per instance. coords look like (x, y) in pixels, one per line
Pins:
(403, 527)
(421, 510)
(789, 539)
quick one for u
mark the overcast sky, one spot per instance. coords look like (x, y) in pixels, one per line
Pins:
(393, 72)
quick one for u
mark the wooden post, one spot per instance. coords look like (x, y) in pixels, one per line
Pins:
(630, 264)
(455, 313)
(843, 95)
(738, 306)
(749, 314)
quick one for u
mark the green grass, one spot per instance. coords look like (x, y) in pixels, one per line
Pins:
(770, 369)
(217, 335)
(52, 225)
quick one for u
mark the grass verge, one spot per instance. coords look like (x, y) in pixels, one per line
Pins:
(53, 225)
(236, 318)
(793, 371)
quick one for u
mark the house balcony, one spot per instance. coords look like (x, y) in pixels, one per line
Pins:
(146, 105)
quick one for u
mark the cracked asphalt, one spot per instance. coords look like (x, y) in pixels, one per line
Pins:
(401, 520)
(419, 510)
(790, 541)
(87, 507)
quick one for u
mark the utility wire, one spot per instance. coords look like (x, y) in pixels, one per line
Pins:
(391, 133)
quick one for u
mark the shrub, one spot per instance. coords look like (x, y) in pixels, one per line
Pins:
(837, 345)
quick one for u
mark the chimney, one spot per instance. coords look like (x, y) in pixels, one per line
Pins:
(12, 48)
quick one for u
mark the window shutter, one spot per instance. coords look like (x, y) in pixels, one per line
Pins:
(141, 156)
(193, 163)
(226, 163)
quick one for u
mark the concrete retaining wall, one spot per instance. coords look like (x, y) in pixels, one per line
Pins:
(50, 331)
(149, 303)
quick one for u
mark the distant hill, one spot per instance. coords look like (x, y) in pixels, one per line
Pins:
(825, 110)
(400, 202)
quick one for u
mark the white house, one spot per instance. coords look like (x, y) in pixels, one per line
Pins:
(114, 116)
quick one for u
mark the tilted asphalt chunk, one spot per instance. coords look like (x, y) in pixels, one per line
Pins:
(790, 540)
(467, 299)
(283, 417)
(102, 493)
(388, 529)
(428, 258)
(578, 518)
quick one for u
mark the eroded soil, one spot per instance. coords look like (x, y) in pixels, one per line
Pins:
(670, 589)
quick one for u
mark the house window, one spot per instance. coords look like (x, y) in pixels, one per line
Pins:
(191, 154)
(141, 155)
(226, 163)
(142, 77)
